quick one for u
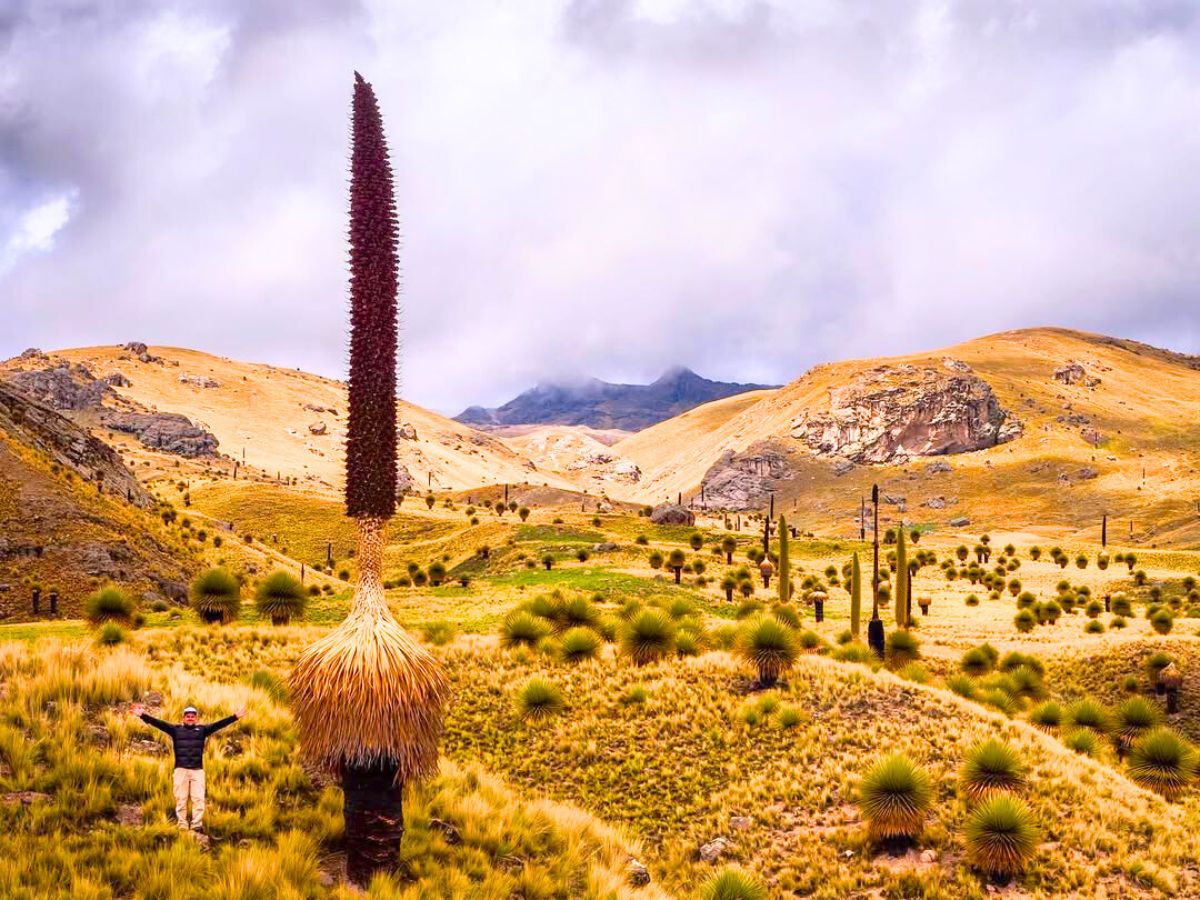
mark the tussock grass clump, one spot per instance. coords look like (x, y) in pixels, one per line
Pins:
(976, 661)
(810, 640)
(691, 641)
(1162, 621)
(1163, 761)
(579, 644)
(749, 608)
(1089, 714)
(280, 597)
(109, 604)
(894, 797)
(1083, 741)
(1047, 716)
(111, 634)
(539, 699)
(1001, 836)
(522, 629)
(1135, 717)
(770, 646)
(648, 637)
(216, 596)
(1026, 683)
(991, 767)
(1024, 621)
(789, 717)
(963, 685)
(901, 648)
(573, 612)
(787, 615)
(854, 652)
(733, 884)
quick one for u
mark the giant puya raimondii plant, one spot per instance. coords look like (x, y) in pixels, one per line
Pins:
(367, 697)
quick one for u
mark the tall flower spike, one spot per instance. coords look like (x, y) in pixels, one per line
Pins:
(374, 280)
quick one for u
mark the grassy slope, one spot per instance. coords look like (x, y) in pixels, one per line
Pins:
(272, 825)
(48, 506)
(672, 771)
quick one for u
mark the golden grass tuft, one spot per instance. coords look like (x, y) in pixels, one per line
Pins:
(368, 691)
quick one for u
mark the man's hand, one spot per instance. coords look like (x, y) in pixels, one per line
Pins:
(241, 712)
(136, 710)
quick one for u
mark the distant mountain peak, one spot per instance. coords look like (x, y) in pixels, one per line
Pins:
(602, 404)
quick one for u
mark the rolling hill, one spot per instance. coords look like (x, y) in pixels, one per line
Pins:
(1040, 428)
(278, 421)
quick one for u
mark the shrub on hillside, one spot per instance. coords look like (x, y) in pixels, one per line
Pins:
(216, 596)
(109, 604)
(280, 597)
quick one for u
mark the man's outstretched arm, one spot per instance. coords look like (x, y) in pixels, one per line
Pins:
(214, 727)
(140, 712)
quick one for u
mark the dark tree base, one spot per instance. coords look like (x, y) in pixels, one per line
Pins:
(875, 636)
(374, 815)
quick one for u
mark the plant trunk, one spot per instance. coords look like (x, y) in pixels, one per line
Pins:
(374, 815)
(678, 572)
(855, 597)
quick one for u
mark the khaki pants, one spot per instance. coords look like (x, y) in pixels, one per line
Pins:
(189, 783)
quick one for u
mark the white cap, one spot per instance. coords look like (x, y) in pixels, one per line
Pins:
(190, 709)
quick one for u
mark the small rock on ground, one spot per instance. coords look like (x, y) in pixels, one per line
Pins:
(636, 872)
(716, 848)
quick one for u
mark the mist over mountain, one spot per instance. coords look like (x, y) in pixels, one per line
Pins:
(602, 404)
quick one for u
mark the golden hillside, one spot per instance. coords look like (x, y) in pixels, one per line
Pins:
(1082, 451)
(262, 414)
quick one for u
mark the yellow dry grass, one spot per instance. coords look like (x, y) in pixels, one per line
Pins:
(367, 691)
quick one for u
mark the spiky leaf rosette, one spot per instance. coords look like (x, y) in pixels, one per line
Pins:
(1001, 836)
(368, 692)
(991, 767)
(374, 277)
(1163, 761)
(895, 797)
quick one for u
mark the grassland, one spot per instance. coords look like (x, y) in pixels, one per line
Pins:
(648, 761)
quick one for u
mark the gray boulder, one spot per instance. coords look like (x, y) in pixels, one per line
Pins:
(169, 432)
(672, 514)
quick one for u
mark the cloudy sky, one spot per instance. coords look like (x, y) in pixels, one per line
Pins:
(602, 187)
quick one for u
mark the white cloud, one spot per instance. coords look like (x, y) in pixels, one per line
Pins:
(34, 231)
(608, 188)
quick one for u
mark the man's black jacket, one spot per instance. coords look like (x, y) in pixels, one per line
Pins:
(188, 739)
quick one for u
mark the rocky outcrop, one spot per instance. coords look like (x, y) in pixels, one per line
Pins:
(405, 483)
(894, 413)
(672, 514)
(745, 480)
(1074, 373)
(169, 432)
(51, 433)
(318, 428)
(137, 348)
(200, 381)
(407, 432)
(60, 386)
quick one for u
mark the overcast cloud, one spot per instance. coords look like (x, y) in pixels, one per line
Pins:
(602, 188)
